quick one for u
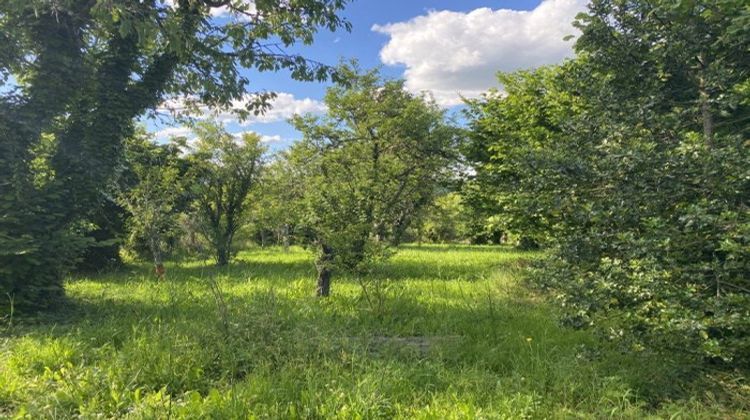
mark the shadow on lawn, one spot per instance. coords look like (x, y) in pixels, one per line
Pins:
(462, 249)
(240, 271)
(506, 337)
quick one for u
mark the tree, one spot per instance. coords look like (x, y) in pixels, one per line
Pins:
(518, 138)
(154, 198)
(226, 168)
(368, 168)
(107, 235)
(446, 219)
(275, 203)
(633, 160)
(81, 71)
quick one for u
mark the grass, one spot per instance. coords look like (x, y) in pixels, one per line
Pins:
(436, 332)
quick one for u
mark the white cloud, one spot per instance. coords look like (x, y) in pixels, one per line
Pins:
(169, 132)
(264, 138)
(450, 53)
(245, 6)
(283, 107)
(272, 139)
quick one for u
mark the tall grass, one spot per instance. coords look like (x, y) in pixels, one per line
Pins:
(436, 332)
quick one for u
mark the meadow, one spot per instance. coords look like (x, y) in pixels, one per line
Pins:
(435, 332)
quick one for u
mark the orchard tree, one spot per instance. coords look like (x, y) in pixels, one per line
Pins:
(225, 168)
(368, 168)
(275, 204)
(446, 219)
(76, 73)
(154, 199)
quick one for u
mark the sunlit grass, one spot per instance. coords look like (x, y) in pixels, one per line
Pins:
(436, 332)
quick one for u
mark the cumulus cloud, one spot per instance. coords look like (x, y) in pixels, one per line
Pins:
(264, 138)
(240, 12)
(182, 131)
(283, 107)
(272, 139)
(454, 53)
(169, 132)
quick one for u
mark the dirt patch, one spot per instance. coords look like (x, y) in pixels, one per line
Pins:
(416, 344)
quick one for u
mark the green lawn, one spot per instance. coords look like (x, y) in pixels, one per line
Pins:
(441, 332)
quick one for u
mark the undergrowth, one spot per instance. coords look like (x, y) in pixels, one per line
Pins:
(436, 332)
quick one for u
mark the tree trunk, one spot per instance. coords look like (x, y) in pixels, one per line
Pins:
(324, 282)
(222, 254)
(159, 269)
(708, 121)
(323, 264)
(380, 234)
(286, 238)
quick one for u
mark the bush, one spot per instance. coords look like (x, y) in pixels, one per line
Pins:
(637, 168)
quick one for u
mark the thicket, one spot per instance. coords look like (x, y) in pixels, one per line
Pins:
(631, 160)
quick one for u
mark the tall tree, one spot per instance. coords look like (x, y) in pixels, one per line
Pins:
(369, 167)
(78, 72)
(634, 159)
(517, 137)
(226, 168)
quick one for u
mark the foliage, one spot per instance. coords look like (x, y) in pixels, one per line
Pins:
(225, 169)
(446, 220)
(633, 159)
(108, 235)
(275, 204)
(159, 184)
(516, 141)
(83, 71)
(369, 167)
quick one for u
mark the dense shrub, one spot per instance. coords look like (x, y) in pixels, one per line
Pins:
(633, 160)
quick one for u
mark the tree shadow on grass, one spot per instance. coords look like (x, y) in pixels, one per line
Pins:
(462, 248)
(239, 270)
(505, 337)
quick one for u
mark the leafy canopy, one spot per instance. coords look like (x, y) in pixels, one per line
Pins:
(632, 160)
(369, 166)
(83, 70)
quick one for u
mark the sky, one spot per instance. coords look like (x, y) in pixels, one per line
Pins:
(449, 48)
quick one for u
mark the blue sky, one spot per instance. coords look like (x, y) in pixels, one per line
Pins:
(445, 47)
